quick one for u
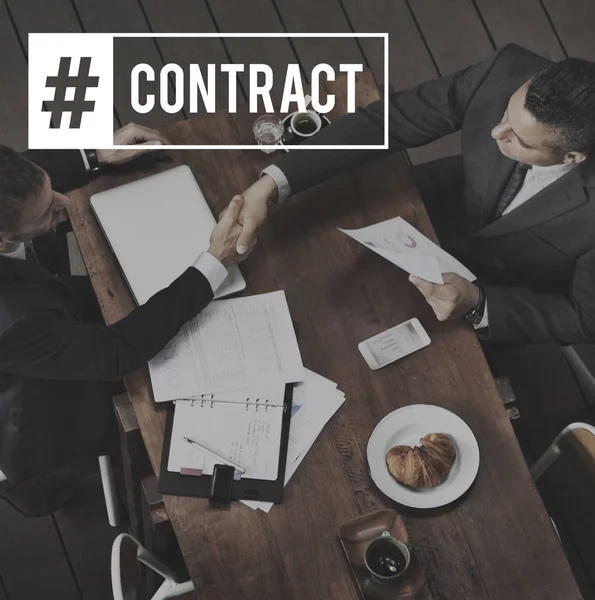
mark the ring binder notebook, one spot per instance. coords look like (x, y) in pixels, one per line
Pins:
(209, 401)
(262, 420)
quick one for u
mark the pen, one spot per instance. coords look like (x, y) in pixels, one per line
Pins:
(231, 462)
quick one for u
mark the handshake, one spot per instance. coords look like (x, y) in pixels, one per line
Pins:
(234, 237)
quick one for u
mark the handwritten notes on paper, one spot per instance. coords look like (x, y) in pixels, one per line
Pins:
(315, 401)
(233, 344)
(403, 245)
(237, 428)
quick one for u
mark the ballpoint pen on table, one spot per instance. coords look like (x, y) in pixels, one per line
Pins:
(237, 466)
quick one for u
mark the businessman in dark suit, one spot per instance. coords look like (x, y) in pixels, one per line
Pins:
(55, 360)
(520, 201)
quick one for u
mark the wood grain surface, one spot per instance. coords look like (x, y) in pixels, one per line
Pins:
(495, 543)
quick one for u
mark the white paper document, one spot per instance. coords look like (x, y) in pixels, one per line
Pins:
(242, 427)
(315, 401)
(234, 344)
(403, 245)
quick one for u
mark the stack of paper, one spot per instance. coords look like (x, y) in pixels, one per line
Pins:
(235, 344)
(402, 244)
(227, 370)
(315, 401)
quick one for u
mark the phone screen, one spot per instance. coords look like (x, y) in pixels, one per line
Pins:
(390, 345)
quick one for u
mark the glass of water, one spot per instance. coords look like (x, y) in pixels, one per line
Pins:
(268, 131)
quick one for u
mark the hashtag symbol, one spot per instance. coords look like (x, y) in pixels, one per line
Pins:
(76, 106)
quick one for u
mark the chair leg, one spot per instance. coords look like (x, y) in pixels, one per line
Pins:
(170, 589)
(584, 377)
(546, 461)
(109, 490)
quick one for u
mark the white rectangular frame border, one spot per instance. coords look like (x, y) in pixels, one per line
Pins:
(383, 36)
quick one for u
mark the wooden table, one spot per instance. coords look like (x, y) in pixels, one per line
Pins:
(495, 543)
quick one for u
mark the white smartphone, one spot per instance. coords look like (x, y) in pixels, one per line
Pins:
(394, 343)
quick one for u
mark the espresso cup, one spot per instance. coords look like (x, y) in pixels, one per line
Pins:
(305, 124)
(386, 558)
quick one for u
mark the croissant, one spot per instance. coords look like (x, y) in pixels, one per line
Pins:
(424, 466)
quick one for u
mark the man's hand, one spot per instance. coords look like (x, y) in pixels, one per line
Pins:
(135, 135)
(225, 236)
(451, 300)
(254, 211)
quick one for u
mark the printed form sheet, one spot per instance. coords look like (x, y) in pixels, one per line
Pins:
(404, 246)
(233, 344)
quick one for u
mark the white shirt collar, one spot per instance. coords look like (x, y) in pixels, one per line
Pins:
(18, 253)
(553, 169)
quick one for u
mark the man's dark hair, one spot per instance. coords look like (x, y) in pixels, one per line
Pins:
(562, 96)
(20, 179)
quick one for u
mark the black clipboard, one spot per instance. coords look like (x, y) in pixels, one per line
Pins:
(244, 489)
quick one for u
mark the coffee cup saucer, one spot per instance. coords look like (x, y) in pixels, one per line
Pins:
(296, 138)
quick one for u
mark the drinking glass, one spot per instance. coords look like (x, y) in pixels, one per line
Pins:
(268, 131)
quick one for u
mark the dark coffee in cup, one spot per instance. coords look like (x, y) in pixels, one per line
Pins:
(305, 124)
(386, 557)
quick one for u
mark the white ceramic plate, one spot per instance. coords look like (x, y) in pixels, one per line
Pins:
(406, 426)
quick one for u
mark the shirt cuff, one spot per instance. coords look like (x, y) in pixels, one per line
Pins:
(283, 186)
(212, 269)
(485, 322)
(85, 161)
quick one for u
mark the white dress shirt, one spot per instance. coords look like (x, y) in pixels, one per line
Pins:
(537, 179)
(85, 161)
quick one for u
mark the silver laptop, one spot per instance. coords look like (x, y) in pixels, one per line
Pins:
(157, 227)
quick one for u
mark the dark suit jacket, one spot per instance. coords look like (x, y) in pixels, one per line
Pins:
(53, 407)
(538, 261)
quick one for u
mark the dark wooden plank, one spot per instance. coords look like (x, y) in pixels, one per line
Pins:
(327, 17)
(524, 23)
(46, 17)
(125, 16)
(33, 563)
(452, 573)
(442, 25)
(573, 21)
(88, 538)
(13, 77)
(189, 16)
(409, 61)
(236, 16)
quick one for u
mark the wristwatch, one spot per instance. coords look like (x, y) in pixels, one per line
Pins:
(93, 160)
(476, 315)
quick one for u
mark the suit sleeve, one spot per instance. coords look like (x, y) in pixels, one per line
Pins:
(522, 315)
(416, 117)
(45, 346)
(64, 167)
